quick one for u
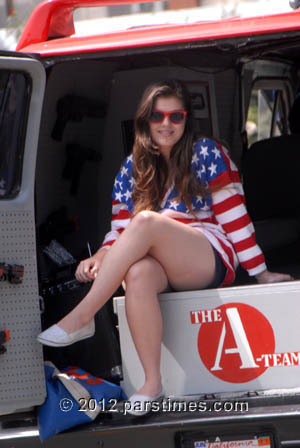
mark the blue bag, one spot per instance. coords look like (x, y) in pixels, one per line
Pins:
(74, 397)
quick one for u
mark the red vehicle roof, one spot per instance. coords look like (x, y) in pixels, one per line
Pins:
(55, 17)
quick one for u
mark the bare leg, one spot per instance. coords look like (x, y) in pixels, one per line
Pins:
(184, 253)
(144, 280)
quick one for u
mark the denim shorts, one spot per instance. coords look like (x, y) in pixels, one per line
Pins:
(220, 271)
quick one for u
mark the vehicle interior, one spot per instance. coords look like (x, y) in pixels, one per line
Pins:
(242, 92)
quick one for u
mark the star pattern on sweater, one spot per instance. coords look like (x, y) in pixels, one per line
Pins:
(204, 151)
(217, 152)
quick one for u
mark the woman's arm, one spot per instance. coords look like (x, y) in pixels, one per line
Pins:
(87, 269)
(119, 221)
(228, 205)
(122, 204)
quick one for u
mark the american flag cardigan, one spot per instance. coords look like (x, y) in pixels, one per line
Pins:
(221, 216)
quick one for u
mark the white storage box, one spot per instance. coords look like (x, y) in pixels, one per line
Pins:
(235, 339)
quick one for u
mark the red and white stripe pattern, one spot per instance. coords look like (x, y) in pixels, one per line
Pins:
(120, 219)
(229, 210)
(222, 216)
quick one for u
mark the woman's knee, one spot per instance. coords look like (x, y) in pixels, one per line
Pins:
(146, 273)
(138, 273)
(145, 220)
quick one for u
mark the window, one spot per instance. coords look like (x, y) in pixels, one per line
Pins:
(267, 112)
(14, 99)
(200, 99)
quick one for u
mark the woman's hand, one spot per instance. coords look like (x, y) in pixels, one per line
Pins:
(87, 269)
(272, 277)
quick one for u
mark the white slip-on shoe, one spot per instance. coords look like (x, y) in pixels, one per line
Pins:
(55, 336)
(139, 405)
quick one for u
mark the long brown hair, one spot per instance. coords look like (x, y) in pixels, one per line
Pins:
(150, 169)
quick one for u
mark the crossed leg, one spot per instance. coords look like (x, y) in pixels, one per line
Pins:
(144, 280)
(152, 252)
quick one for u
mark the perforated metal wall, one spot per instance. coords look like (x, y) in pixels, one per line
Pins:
(21, 367)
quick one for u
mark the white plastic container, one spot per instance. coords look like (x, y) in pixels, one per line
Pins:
(235, 339)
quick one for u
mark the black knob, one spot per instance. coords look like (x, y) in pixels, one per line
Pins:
(294, 4)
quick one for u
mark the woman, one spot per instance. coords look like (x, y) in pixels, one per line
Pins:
(179, 222)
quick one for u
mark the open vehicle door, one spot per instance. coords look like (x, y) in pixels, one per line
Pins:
(22, 85)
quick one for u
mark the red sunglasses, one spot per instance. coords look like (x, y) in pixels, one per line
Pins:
(175, 116)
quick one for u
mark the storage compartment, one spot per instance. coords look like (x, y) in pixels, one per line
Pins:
(231, 340)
